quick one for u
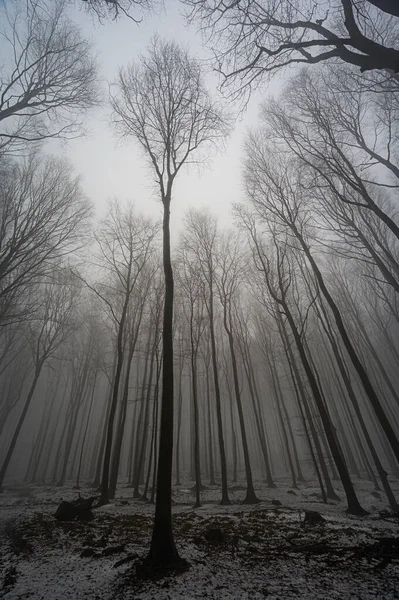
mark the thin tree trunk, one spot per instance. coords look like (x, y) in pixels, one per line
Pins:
(383, 475)
(354, 506)
(85, 431)
(163, 550)
(140, 465)
(290, 356)
(250, 497)
(223, 464)
(21, 419)
(364, 378)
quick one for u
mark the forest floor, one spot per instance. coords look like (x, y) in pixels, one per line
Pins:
(265, 551)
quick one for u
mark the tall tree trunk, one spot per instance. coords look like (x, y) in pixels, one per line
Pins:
(163, 550)
(306, 430)
(278, 399)
(290, 356)
(223, 464)
(34, 462)
(354, 506)
(364, 378)
(179, 419)
(140, 421)
(85, 431)
(153, 431)
(253, 392)
(210, 429)
(233, 431)
(250, 497)
(21, 419)
(383, 475)
(140, 464)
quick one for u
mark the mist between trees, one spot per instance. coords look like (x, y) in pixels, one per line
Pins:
(269, 348)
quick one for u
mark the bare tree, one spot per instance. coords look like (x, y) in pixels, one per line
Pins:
(279, 277)
(48, 77)
(44, 217)
(50, 326)
(193, 308)
(328, 136)
(253, 39)
(133, 9)
(201, 241)
(231, 269)
(163, 104)
(275, 191)
(125, 243)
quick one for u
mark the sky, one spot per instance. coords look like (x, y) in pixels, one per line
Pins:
(113, 169)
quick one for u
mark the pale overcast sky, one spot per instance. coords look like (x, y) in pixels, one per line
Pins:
(113, 169)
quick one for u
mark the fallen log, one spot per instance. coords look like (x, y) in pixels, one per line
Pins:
(79, 509)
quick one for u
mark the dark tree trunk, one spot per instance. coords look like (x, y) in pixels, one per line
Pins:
(79, 390)
(366, 382)
(223, 464)
(383, 475)
(250, 497)
(233, 431)
(306, 430)
(140, 422)
(104, 487)
(179, 418)
(354, 506)
(140, 463)
(197, 461)
(153, 431)
(290, 355)
(210, 430)
(253, 392)
(163, 550)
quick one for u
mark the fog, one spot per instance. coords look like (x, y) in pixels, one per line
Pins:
(199, 278)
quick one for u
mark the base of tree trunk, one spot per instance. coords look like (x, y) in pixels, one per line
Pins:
(197, 505)
(103, 502)
(225, 502)
(271, 485)
(201, 487)
(333, 496)
(251, 498)
(357, 510)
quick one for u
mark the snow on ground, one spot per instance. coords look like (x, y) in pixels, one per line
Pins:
(266, 551)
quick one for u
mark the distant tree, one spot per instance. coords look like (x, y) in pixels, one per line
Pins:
(231, 269)
(193, 308)
(44, 217)
(47, 77)
(252, 40)
(162, 103)
(125, 243)
(277, 196)
(51, 324)
(201, 237)
(279, 276)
